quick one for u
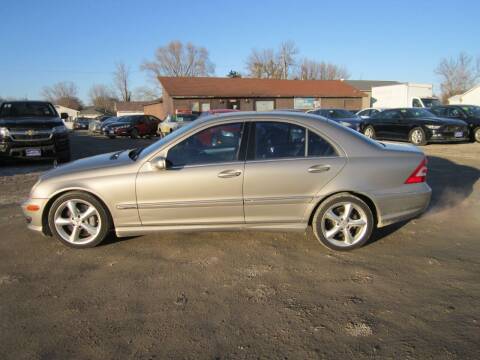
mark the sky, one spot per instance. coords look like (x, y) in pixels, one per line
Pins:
(47, 41)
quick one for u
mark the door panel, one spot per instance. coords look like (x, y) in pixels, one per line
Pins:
(280, 190)
(191, 195)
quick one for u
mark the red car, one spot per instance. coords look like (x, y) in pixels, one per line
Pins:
(133, 126)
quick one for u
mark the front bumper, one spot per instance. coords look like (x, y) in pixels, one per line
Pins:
(48, 148)
(33, 212)
(449, 135)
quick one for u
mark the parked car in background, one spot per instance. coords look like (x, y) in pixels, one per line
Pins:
(341, 116)
(33, 130)
(264, 171)
(468, 113)
(108, 121)
(81, 123)
(368, 112)
(174, 122)
(133, 126)
(217, 112)
(417, 125)
(95, 126)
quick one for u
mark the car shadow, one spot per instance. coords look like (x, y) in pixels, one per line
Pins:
(451, 184)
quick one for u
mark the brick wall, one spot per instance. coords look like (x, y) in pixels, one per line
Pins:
(156, 109)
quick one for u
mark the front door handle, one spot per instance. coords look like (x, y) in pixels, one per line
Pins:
(318, 168)
(229, 173)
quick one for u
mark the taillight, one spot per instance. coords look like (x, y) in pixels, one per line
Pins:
(419, 175)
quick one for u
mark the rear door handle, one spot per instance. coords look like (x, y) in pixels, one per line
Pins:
(318, 168)
(229, 173)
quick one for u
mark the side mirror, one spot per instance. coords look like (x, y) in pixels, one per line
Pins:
(64, 116)
(160, 163)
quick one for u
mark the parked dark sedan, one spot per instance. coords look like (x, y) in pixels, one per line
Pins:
(468, 113)
(81, 124)
(133, 126)
(417, 125)
(341, 116)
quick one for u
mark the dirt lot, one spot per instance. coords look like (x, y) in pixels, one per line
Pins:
(413, 292)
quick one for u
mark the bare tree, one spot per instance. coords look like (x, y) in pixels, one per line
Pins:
(102, 98)
(458, 74)
(234, 74)
(63, 93)
(314, 70)
(145, 93)
(286, 58)
(263, 64)
(121, 81)
(177, 59)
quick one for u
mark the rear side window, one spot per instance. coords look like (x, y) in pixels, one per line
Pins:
(317, 146)
(275, 140)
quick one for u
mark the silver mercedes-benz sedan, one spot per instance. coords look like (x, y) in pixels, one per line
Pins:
(256, 171)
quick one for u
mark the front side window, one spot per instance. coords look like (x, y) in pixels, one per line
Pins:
(213, 145)
(416, 103)
(275, 140)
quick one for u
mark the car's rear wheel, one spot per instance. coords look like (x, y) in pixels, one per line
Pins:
(63, 157)
(79, 220)
(343, 222)
(369, 132)
(111, 136)
(417, 137)
(476, 134)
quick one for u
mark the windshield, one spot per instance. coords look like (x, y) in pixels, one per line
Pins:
(418, 113)
(430, 102)
(20, 109)
(125, 119)
(472, 110)
(338, 114)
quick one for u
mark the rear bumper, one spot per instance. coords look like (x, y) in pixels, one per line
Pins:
(404, 205)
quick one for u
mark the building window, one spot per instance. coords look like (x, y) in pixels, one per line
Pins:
(264, 105)
(196, 106)
(205, 106)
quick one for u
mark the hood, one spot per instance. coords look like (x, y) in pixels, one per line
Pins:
(352, 120)
(444, 121)
(90, 164)
(30, 122)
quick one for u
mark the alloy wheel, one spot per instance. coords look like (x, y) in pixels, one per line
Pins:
(344, 224)
(77, 221)
(369, 132)
(417, 136)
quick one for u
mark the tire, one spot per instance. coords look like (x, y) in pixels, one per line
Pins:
(111, 137)
(417, 137)
(476, 134)
(63, 157)
(89, 232)
(369, 132)
(329, 217)
(134, 134)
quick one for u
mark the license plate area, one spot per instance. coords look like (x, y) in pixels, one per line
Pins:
(458, 134)
(33, 152)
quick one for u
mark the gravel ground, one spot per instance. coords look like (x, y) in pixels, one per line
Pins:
(412, 293)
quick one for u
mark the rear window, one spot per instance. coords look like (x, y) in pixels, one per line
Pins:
(20, 109)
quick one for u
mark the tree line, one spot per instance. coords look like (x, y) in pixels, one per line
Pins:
(457, 74)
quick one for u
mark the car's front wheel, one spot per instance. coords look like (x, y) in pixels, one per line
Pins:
(79, 220)
(417, 137)
(476, 134)
(343, 222)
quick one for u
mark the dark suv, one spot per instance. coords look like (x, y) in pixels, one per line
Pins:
(133, 126)
(33, 129)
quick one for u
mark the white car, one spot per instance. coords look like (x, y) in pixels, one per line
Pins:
(368, 112)
(174, 122)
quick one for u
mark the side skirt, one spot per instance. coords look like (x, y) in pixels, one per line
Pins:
(143, 230)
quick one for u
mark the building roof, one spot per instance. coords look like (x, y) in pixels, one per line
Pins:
(90, 111)
(130, 105)
(366, 85)
(153, 102)
(248, 87)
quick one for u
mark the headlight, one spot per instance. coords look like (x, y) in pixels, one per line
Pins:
(347, 124)
(433, 127)
(4, 132)
(60, 129)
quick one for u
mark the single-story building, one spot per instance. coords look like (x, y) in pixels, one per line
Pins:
(470, 97)
(90, 113)
(248, 94)
(155, 108)
(365, 86)
(72, 113)
(124, 108)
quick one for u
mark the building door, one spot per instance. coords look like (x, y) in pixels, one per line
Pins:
(233, 104)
